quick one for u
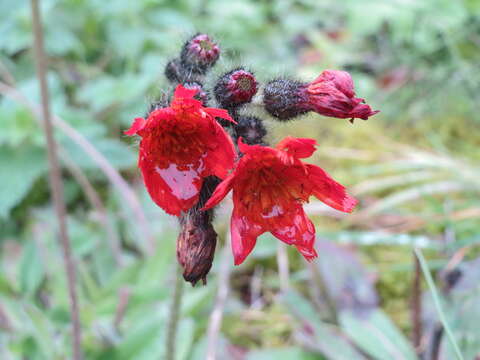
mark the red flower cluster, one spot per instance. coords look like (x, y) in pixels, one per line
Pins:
(332, 94)
(181, 145)
(269, 187)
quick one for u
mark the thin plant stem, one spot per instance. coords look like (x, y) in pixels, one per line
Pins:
(174, 315)
(216, 316)
(56, 183)
(282, 263)
(438, 305)
(96, 202)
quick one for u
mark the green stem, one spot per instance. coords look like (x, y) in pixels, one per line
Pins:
(174, 315)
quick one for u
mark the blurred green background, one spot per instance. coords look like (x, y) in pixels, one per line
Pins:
(414, 168)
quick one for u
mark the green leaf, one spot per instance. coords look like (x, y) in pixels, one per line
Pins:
(287, 353)
(375, 334)
(31, 269)
(326, 339)
(116, 152)
(23, 166)
(145, 333)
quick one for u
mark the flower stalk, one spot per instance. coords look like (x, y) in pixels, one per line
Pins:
(174, 316)
(56, 183)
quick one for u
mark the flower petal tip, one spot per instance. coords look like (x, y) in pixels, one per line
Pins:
(138, 124)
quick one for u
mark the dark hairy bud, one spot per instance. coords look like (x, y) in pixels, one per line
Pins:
(199, 54)
(173, 71)
(250, 129)
(284, 99)
(235, 88)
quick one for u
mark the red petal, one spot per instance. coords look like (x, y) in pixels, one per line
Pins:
(221, 113)
(342, 80)
(244, 235)
(300, 233)
(245, 148)
(138, 124)
(172, 189)
(221, 157)
(328, 190)
(220, 192)
(183, 93)
(297, 147)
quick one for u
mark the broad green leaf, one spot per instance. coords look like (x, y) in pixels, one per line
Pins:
(19, 168)
(323, 338)
(375, 334)
(116, 152)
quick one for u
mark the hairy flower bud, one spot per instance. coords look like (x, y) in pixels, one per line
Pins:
(196, 245)
(173, 71)
(199, 54)
(330, 94)
(251, 129)
(235, 88)
(285, 99)
(197, 239)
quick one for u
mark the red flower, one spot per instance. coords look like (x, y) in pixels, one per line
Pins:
(332, 94)
(181, 145)
(269, 187)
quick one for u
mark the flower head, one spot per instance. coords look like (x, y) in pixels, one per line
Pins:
(330, 94)
(269, 187)
(181, 145)
(235, 88)
(200, 53)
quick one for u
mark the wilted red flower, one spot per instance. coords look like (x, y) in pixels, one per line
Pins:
(181, 145)
(332, 94)
(269, 187)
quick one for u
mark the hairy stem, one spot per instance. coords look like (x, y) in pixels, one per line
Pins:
(216, 316)
(174, 315)
(56, 183)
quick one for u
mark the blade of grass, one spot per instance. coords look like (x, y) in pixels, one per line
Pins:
(436, 300)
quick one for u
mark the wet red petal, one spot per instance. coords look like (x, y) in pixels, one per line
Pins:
(138, 124)
(328, 190)
(220, 192)
(297, 147)
(221, 157)
(172, 189)
(221, 113)
(244, 235)
(300, 232)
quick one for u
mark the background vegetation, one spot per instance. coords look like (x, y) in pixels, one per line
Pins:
(414, 167)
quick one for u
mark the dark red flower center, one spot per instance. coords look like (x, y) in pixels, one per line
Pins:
(242, 85)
